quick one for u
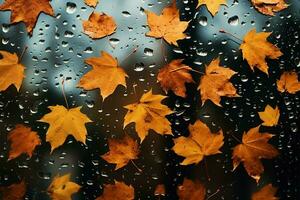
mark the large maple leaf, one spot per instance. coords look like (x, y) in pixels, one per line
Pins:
(201, 142)
(62, 188)
(288, 82)
(254, 147)
(167, 25)
(148, 114)
(269, 7)
(212, 5)
(64, 122)
(119, 190)
(27, 11)
(11, 71)
(191, 190)
(266, 193)
(256, 49)
(215, 83)
(105, 75)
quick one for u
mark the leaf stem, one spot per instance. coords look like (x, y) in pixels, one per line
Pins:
(22, 54)
(232, 35)
(206, 170)
(213, 194)
(136, 166)
(184, 67)
(134, 50)
(63, 92)
(163, 51)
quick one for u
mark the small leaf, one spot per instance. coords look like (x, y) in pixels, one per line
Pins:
(269, 7)
(266, 193)
(119, 190)
(160, 190)
(270, 116)
(212, 5)
(191, 190)
(92, 3)
(288, 83)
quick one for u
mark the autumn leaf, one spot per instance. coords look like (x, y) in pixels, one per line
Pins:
(173, 76)
(270, 116)
(256, 49)
(11, 71)
(92, 3)
(148, 114)
(212, 5)
(64, 122)
(105, 75)
(22, 140)
(27, 11)
(121, 151)
(266, 193)
(254, 147)
(167, 25)
(13, 192)
(99, 25)
(215, 83)
(201, 142)
(62, 188)
(288, 83)
(160, 190)
(119, 190)
(269, 7)
(191, 190)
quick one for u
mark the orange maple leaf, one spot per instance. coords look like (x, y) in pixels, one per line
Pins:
(119, 190)
(99, 25)
(212, 5)
(22, 140)
(288, 83)
(11, 71)
(13, 192)
(167, 25)
(105, 75)
(191, 190)
(173, 76)
(269, 7)
(270, 116)
(256, 49)
(121, 151)
(148, 114)
(64, 122)
(92, 3)
(201, 142)
(254, 147)
(215, 83)
(266, 193)
(27, 11)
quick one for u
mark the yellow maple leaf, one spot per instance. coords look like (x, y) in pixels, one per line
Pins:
(105, 75)
(148, 114)
(62, 188)
(121, 151)
(254, 147)
(167, 25)
(11, 71)
(173, 76)
(269, 7)
(256, 49)
(191, 190)
(215, 83)
(22, 140)
(212, 5)
(64, 122)
(27, 11)
(266, 193)
(288, 82)
(119, 190)
(15, 191)
(92, 3)
(99, 25)
(270, 116)
(201, 142)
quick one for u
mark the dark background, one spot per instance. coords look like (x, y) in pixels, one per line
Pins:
(57, 51)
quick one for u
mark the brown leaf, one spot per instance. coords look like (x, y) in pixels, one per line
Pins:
(212, 5)
(160, 190)
(11, 71)
(119, 190)
(22, 140)
(99, 25)
(148, 114)
(64, 122)
(27, 11)
(288, 83)
(14, 191)
(270, 116)
(191, 190)
(254, 147)
(201, 142)
(173, 76)
(269, 7)
(105, 75)
(62, 188)
(266, 193)
(215, 83)
(121, 151)
(92, 3)
(256, 49)
(167, 25)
